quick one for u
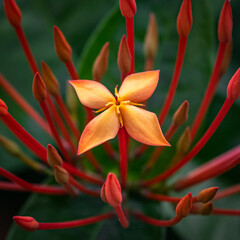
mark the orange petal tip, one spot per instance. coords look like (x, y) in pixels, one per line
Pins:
(26, 223)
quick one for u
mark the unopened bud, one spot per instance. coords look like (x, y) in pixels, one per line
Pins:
(207, 195)
(112, 191)
(39, 88)
(102, 193)
(181, 115)
(124, 56)
(12, 12)
(49, 79)
(101, 63)
(53, 156)
(184, 141)
(206, 209)
(61, 175)
(151, 38)
(3, 108)
(226, 59)
(26, 223)
(184, 206)
(62, 47)
(225, 23)
(184, 20)
(233, 89)
(128, 8)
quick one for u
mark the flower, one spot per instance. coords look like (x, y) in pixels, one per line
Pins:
(121, 110)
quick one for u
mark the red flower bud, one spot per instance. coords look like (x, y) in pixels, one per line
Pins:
(184, 141)
(124, 56)
(12, 12)
(112, 190)
(184, 20)
(53, 156)
(102, 193)
(128, 8)
(184, 206)
(39, 88)
(181, 115)
(207, 195)
(3, 108)
(26, 223)
(62, 47)
(225, 23)
(206, 209)
(233, 89)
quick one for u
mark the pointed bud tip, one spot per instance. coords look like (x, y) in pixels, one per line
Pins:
(184, 141)
(207, 195)
(124, 56)
(50, 79)
(3, 108)
(184, 206)
(53, 156)
(62, 47)
(206, 209)
(181, 115)
(39, 88)
(26, 223)
(61, 175)
(128, 8)
(225, 23)
(184, 20)
(233, 89)
(12, 12)
(112, 190)
(101, 63)
(151, 38)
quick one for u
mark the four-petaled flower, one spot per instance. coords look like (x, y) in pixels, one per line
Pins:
(120, 111)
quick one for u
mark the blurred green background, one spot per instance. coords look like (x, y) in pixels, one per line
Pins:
(78, 21)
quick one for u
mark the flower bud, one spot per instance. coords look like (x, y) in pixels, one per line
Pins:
(26, 223)
(184, 141)
(151, 38)
(12, 12)
(181, 115)
(226, 59)
(207, 195)
(62, 47)
(233, 89)
(61, 175)
(124, 56)
(184, 206)
(206, 209)
(101, 63)
(112, 191)
(184, 20)
(39, 88)
(128, 8)
(53, 157)
(49, 79)
(225, 23)
(3, 108)
(102, 193)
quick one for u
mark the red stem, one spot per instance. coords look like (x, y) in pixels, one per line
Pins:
(76, 223)
(82, 188)
(212, 85)
(222, 211)
(24, 185)
(130, 40)
(47, 115)
(14, 94)
(123, 156)
(67, 116)
(173, 86)
(52, 190)
(201, 143)
(26, 49)
(121, 216)
(227, 192)
(156, 222)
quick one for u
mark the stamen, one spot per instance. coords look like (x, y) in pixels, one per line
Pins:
(104, 108)
(119, 116)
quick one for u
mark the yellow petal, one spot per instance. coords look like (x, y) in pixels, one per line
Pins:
(139, 87)
(142, 125)
(102, 128)
(92, 94)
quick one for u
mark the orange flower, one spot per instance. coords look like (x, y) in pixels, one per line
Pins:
(119, 111)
